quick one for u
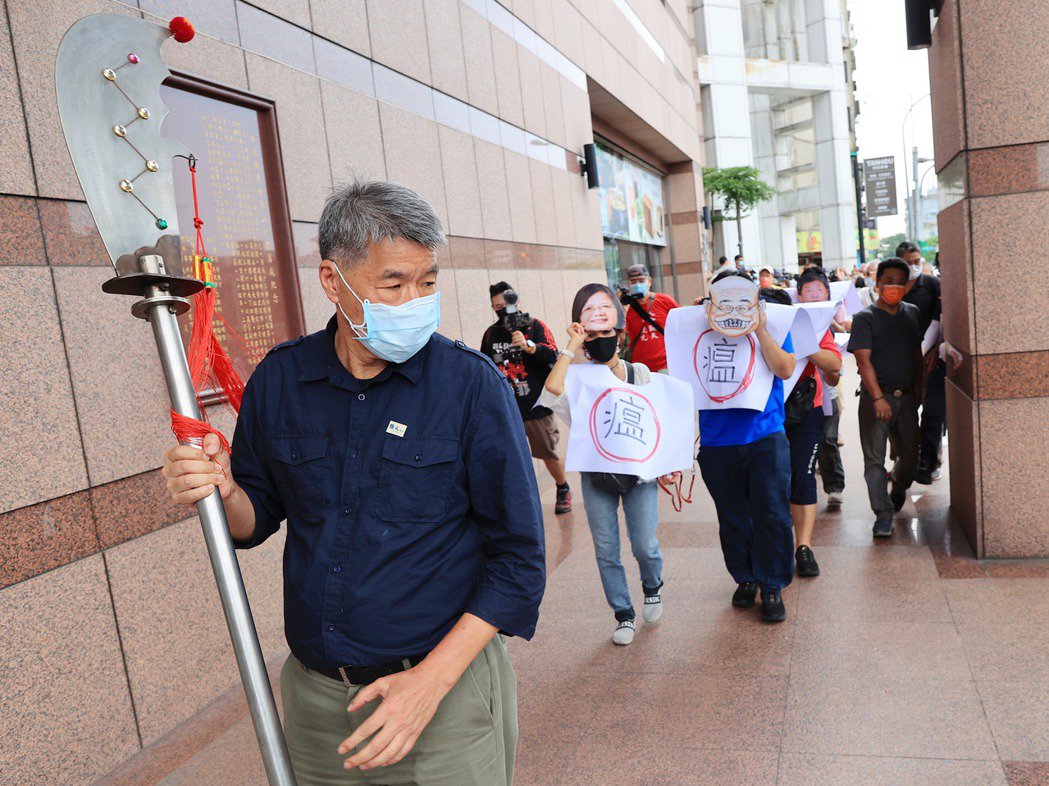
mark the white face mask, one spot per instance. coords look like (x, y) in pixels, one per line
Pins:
(916, 270)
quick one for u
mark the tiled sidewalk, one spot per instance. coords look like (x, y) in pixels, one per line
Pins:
(889, 669)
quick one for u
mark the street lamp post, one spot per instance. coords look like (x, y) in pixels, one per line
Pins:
(911, 209)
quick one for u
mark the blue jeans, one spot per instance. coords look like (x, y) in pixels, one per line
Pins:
(750, 485)
(640, 505)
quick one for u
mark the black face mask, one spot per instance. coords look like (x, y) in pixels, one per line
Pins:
(602, 349)
(501, 313)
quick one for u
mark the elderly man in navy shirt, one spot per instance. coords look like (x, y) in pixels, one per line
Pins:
(414, 528)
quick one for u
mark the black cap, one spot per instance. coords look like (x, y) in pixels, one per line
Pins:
(636, 270)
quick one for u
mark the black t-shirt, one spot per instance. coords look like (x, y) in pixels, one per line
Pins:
(893, 339)
(925, 294)
(526, 373)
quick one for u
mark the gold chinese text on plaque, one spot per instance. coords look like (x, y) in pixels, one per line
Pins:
(247, 229)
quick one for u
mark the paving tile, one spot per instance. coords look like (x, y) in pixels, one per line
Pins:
(810, 770)
(874, 599)
(1027, 773)
(1019, 715)
(858, 716)
(1022, 602)
(879, 650)
(1005, 652)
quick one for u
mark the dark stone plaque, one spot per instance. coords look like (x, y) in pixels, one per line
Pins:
(247, 228)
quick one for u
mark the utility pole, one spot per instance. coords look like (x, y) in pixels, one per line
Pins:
(859, 205)
(915, 211)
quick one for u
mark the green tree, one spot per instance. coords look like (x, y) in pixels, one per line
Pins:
(887, 245)
(740, 189)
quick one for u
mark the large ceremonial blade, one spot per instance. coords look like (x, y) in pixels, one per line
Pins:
(108, 77)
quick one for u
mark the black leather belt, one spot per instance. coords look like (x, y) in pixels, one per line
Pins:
(359, 676)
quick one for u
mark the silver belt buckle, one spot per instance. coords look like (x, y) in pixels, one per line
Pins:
(897, 394)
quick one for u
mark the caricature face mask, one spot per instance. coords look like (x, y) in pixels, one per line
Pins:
(733, 308)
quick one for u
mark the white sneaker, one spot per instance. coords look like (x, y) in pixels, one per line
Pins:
(834, 498)
(937, 474)
(653, 608)
(624, 634)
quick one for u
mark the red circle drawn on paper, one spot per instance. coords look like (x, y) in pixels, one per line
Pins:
(593, 427)
(748, 377)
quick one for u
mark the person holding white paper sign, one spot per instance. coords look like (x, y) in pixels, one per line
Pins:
(598, 323)
(744, 456)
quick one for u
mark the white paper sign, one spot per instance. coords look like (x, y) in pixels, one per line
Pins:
(840, 292)
(725, 372)
(644, 430)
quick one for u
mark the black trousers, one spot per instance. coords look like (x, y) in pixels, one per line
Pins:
(831, 470)
(934, 417)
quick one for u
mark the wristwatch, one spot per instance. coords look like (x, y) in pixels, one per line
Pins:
(566, 353)
(530, 344)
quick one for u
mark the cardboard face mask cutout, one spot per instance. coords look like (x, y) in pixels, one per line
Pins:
(733, 308)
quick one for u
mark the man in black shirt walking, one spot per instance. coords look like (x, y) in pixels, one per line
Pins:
(886, 340)
(524, 350)
(923, 291)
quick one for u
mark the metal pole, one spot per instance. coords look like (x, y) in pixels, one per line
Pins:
(914, 195)
(859, 206)
(253, 674)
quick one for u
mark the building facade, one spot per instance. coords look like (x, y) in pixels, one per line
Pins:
(113, 635)
(993, 201)
(777, 93)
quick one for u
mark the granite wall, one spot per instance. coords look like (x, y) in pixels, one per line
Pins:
(987, 65)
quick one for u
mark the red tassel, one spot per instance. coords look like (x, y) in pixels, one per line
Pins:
(181, 29)
(190, 431)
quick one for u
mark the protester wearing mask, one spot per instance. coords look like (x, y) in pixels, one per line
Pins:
(923, 291)
(414, 529)
(886, 340)
(598, 322)
(525, 355)
(807, 434)
(646, 320)
(744, 458)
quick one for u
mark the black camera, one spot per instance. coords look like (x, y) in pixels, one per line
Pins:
(626, 297)
(514, 319)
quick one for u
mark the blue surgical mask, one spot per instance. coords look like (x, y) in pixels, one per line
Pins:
(395, 333)
(640, 288)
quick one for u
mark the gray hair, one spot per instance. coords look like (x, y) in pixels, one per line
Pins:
(365, 212)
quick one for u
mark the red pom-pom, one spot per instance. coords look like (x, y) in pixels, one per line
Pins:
(182, 29)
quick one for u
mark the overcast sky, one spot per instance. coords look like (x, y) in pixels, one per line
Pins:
(889, 78)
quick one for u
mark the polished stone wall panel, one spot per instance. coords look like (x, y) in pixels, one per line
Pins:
(1004, 53)
(945, 81)
(70, 234)
(40, 537)
(304, 148)
(398, 35)
(355, 143)
(68, 716)
(459, 168)
(125, 427)
(955, 266)
(40, 451)
(1006, 246)
(163, 589)
(413, 155)
(1014, 524)
(445, 43)
(34, 31)
(966, 476)
(343, 21)
(21, 240)
(16, 177)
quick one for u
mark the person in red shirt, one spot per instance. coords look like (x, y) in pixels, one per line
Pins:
(645, 307)
(805, 431)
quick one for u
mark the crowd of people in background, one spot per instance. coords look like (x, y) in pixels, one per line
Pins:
(761, 468)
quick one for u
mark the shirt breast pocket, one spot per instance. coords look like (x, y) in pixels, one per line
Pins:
(299, 468)
(415, 478)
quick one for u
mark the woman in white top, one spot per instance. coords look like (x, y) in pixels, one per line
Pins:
(598, 322)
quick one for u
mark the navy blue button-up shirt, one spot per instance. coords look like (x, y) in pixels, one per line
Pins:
(410, 498)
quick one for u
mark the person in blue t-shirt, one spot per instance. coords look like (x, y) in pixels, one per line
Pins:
(744, 458)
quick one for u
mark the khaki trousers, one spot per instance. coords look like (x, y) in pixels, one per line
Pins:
(471, 741)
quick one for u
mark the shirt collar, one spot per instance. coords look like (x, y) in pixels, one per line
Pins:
(324, 361)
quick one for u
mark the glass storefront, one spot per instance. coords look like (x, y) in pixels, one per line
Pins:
(634, 222)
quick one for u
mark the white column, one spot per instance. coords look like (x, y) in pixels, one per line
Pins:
(726, 108)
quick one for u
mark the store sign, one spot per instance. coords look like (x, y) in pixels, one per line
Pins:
(631, 200)
(879, 180)
(810, 242)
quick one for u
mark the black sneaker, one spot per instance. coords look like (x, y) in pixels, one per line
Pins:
(743, 597)
(772, 608)
(898, 497)
(807, 565)
(923, 476)
(564, 500)
(883, 527)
